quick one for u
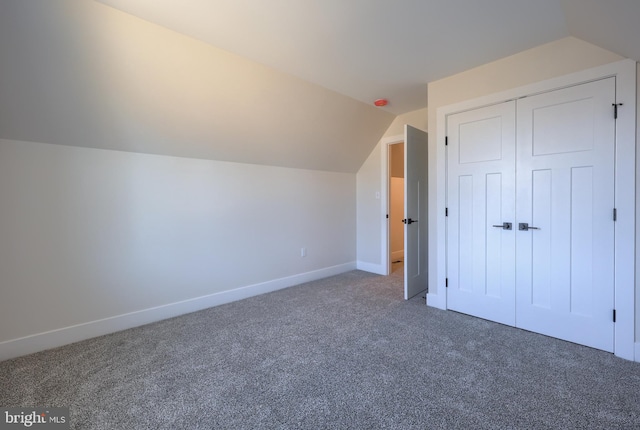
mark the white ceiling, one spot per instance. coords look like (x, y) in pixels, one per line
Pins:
(368, 49)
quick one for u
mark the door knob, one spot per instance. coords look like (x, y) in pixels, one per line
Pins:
(523, 226)
(504, 226)
(409, 221)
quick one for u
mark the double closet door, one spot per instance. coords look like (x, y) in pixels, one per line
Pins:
(530, 227)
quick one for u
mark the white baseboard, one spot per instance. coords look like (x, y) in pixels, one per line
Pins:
(397, 255)
(370, 267)
(637, 353)
(436, 301)
(63, 336)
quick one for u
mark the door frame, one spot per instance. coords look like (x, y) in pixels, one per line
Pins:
(625, 196)
(385, 148)
(389, 236)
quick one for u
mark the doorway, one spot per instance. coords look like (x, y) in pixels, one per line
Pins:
(412, 151)
(396, 209)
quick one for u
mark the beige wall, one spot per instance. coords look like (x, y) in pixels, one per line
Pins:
(396, 160)
(91, 234)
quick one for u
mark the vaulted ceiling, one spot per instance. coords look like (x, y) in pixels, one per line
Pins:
(279, 82)
(368, 49)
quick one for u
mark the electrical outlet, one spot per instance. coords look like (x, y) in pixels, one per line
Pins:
(303, 252)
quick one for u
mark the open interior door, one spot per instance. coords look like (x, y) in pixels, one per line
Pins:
(415, 212)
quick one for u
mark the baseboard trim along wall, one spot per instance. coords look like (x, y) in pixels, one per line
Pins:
(397, 255)
(436, 301)
(370, 267)
(64, 336)
(637, 353)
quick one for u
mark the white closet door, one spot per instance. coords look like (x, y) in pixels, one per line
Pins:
(565, 176)
(481, 195)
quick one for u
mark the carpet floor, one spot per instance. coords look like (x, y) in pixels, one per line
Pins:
(344, 352)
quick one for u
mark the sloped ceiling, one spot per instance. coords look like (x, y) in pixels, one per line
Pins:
(365, 49)
(610, 24)
(79, 73)
(278, 82)
(379, 48)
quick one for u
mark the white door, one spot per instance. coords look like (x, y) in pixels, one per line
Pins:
(480, 199)
(553, 273)
(565, 175)
(415, 211)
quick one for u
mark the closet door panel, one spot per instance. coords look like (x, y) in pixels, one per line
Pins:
(565, 177)
(480, 195)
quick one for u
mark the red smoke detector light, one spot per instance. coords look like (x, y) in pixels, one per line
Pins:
(381, 102)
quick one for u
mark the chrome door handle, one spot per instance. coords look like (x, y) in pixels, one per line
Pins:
(523, 226)
(504, 226)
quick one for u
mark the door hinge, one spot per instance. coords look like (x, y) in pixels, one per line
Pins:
(615, 109)
(446, 211)
(446, 141)
(387, 216)
(614, 315)
(615, 214)
(446, 282)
